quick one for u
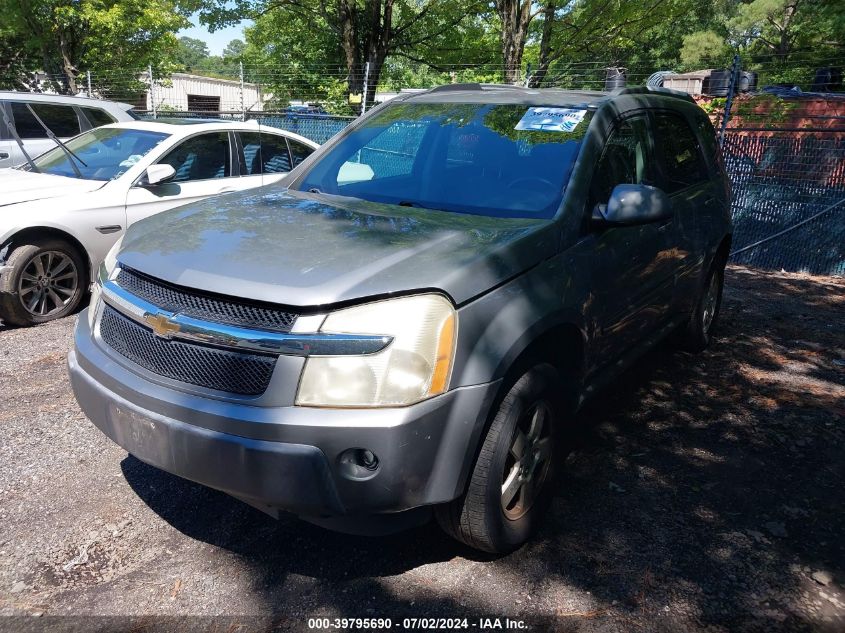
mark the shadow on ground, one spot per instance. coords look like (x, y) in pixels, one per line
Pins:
(702, 493)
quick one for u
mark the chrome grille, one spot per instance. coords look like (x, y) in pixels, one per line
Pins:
(201, 306)
(233, 372)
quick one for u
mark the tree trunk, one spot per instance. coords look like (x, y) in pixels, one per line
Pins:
(545, 46)
(68, 69)
(378, 43)
(515, 16)
(349, 44)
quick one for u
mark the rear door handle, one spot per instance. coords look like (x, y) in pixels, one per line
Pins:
(226, 190)
(4, 155)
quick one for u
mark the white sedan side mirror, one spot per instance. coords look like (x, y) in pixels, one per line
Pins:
(157, 174)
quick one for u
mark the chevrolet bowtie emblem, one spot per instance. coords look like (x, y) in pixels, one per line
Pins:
(161, 325)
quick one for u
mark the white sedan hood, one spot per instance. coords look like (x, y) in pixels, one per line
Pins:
(24, 186)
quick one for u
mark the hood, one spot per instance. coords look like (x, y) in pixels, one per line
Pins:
(313, 250)
(26, 186)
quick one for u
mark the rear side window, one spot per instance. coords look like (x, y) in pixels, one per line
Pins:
(709, 144)
(682, 162)
(98, 117)
(264, 153)
(625, 160)
(62, 120)
(299, 152)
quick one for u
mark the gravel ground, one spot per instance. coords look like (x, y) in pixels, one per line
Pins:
(702, 494)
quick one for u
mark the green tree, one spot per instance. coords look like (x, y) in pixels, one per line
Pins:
(65, 36)
(359, 35)
(580, 38)
(234, 49)
(785, 39)
(191, 52)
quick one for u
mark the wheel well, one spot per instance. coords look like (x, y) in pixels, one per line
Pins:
(563, 347)
(723, 251)
(38, 233)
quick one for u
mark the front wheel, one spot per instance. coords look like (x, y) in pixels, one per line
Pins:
(47, 281)
(510, 486)
(697, 332)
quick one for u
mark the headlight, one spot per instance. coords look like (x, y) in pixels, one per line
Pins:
(104, 272)
(415, 366)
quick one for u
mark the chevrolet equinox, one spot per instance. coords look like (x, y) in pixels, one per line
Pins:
(409, 324)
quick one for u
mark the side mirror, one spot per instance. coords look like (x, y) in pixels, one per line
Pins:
(157, 174)
(630, 205)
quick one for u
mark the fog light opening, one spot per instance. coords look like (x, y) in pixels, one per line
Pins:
(358, 463)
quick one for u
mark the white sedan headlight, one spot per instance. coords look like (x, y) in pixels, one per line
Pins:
(416, 365)
(104, 272)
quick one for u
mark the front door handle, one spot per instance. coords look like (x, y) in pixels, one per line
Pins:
(4, 155)
(226, 190)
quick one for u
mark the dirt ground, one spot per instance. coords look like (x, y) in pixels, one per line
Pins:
(704, 493)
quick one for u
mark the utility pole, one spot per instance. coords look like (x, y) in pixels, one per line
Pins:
(366, 84)
(243, 109)
(88, 74)
(152, 91)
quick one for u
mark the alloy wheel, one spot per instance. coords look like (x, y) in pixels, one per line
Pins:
(528, 460)
(711, 301)
(48, 283)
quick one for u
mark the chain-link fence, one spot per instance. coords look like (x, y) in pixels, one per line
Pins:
(788, 199)
(317, 127)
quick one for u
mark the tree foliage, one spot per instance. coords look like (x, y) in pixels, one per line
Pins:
(326, 41)
(64, 37)
(323, 49)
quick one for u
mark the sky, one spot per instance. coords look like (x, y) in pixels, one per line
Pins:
(216, 41)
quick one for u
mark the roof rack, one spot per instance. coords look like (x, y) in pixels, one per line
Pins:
(475, 86)
(645, 90)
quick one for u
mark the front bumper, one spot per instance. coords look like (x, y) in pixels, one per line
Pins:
(283, 457)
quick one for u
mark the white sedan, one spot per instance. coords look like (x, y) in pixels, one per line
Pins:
(60, 215)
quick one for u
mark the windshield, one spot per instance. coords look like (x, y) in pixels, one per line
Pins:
(485, 159)
(104, 153)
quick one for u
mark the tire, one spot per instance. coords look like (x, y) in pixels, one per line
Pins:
(484, 517)
(697, 333)
(47, 281)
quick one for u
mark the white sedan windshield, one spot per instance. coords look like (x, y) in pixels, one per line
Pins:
(100, 154)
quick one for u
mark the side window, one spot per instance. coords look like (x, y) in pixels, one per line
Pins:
(707, 134)
(25, 124)
(202, 157)
(264, 153)
(626, 159)
(98, 117)
(680, 154)
(62, 120)
(299, 152)
(274, 154)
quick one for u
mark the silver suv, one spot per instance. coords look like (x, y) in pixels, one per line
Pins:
(410, 324)
(28, 120)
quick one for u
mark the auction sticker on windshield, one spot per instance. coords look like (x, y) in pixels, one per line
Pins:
(551, 119)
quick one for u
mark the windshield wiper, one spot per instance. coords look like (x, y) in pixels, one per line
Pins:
(64, 147)
(417, 205)
(11, 127)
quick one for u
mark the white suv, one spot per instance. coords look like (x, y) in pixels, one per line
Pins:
(64, 116)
